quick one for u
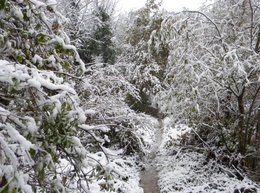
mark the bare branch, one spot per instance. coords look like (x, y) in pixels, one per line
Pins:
(251, 23)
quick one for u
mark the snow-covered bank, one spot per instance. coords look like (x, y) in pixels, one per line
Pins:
(127, 180)
(183, 170)
(126, 168)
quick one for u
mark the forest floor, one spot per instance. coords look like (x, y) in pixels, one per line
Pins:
(149, 175)
(170, 167)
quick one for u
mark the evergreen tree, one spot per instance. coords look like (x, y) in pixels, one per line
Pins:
(99, 45)
(146, 60)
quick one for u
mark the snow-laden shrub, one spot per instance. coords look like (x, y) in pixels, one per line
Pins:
(54, 112)
(57, 116)
(187, 168)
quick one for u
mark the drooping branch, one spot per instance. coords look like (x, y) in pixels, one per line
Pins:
(211, 21)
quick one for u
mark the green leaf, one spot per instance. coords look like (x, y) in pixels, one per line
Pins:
(14, 190)
(40, 38)
(32, 152)
(27, 54)
(41, 174)
(19, 58)
(16, 83)
(38, 26)
(59, 48)
(109, 177)
(66, 66)
(25, 17)
(2, 4)
(5, 190)
(24, 34)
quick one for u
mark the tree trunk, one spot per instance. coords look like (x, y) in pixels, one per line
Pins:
(257, 43)
(241, 124)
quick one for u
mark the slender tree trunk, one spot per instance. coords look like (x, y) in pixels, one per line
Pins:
(257, 49)
(241, 125)
(250, 128)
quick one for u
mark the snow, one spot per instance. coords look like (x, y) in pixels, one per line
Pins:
(4, 112)
(130, 184)
(90, 112)
(15, 135)
(37, 4)
(18, 13)
(76, 141)
(124, 172)
(183, 170)
(188, 172)
(22, 181)
(51, 2)
(37, 59)
(100, 108)
(81, 115)
(31, 124)
(102, 128)
(57, 108)
(51, 59)
(34, 83)
(173, 134)
(112, 153)
(146, 131)
(47, 83)
(36, 78)
(8, 152)
(59, 40)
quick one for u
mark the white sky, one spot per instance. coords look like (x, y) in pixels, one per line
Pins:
(170, 5)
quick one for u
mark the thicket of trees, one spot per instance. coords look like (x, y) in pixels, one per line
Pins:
(90, 28)
(69, 82)
(202, 68)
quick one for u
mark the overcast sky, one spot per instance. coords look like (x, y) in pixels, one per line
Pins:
(170, 5)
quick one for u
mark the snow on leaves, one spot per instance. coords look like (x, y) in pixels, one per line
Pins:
(181, 169)
(47, 100)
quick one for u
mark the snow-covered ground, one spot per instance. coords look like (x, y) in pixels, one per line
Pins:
(126, 182)
(126, 169)
(186, 171)
(176, 168)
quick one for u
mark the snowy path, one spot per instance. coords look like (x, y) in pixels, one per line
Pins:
(149, 177)
(170, 167)
(184, 170)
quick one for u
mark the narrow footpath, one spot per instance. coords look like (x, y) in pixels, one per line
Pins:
(149, 176)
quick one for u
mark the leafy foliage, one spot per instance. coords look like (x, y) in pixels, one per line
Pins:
(201, 68)
(54, 111)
